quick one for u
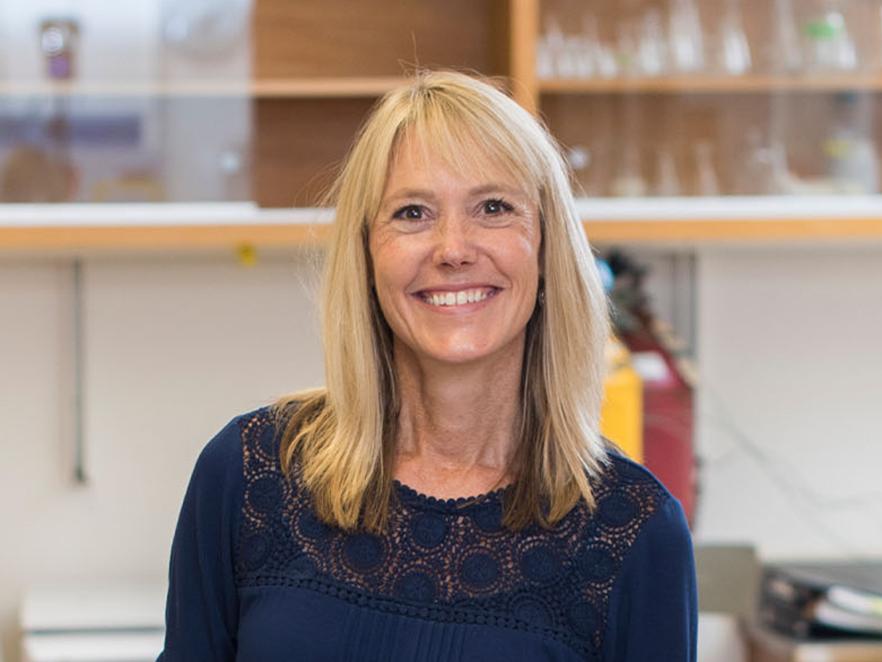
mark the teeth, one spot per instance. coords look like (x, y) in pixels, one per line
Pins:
(456, 298)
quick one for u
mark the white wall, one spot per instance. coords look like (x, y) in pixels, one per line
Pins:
(790, 409)
(175, 347)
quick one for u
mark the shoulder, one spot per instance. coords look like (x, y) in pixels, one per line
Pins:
(628, 472)
(623, 483)
(635, 515)
(224, 454)
(652, 524)
(651, 598)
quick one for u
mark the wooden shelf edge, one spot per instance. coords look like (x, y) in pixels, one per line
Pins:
(768, 84)
(206, 236)
(184, 237)
(715, 230)
(324, 87)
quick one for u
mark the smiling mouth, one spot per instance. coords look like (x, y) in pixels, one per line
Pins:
(459, 298)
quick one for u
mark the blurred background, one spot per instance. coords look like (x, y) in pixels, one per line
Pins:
(160, 166)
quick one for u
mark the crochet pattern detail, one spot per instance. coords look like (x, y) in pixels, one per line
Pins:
(445, 560)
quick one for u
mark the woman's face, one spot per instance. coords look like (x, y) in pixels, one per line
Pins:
(455, 258)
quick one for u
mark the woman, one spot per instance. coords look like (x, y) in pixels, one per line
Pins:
(464, 327)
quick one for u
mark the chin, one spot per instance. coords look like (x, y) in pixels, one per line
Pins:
(462, 353)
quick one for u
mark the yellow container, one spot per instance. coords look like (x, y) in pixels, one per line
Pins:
(621, 417)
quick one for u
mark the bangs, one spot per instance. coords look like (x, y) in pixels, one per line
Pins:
(469, 142)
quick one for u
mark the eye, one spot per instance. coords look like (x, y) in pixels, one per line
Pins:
(410, 213)
(496, 206)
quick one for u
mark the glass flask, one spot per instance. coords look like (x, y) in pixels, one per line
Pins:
(652, 51)
(549, 48)
(733, 49)
(851, 161)
(828, 45)
(706, 181)
(667, 179)
(629, 181)
(604, 59)
(756, 175)
(786, 52)
(685, 36)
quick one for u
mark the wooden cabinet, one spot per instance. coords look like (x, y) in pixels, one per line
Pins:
(321, 65)
(317, 68)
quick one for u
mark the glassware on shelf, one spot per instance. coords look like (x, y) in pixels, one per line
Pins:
(581, 55)
(685, 36)
(579, 158)
(629, 181)
(627, 49)
(549, 49)
(828, 42)
(783, 181)
(59, 43)
(757, 174)
(595, 176)
(568, 60)
(545, 58)
(786, 51)
(605, 64)
(667, 179)
(652, 51)
(733, 55)
(584, 57)
(851, 161)
(706, 180)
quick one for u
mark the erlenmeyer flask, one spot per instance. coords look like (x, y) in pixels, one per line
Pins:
(667, 179)
(733, 55)
(786, 53)
(685, 36)
(628, 48)
(783, 181)
(604, 60)
(852, 163)
(828, 42)
(706, 181)
(549, 48)
(756, 175)
(652, 52)
(629, 181)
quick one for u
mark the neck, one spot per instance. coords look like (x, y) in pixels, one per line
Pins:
(458, 424)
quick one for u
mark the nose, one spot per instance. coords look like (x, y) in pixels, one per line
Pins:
(454, 243)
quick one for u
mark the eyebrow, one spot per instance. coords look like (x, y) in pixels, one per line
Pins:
(429, 195)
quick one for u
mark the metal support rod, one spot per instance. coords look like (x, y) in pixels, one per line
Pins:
(80, 474)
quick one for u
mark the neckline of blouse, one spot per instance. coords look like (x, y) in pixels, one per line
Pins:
(457, 503)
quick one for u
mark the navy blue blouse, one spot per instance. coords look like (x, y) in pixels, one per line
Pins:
(256, 577)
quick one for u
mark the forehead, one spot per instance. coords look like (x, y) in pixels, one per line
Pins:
(427, 158)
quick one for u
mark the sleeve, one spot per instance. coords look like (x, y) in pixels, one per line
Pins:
(653, 608)
(201, 615)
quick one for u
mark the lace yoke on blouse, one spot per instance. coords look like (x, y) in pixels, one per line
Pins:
(445, 560)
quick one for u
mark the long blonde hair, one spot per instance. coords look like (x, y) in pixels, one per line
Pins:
(341, 439)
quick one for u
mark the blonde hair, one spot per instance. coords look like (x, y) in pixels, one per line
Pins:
(341, 438)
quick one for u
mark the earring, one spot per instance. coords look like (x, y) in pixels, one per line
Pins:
(541, 297)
